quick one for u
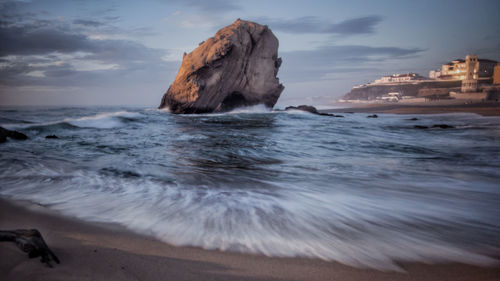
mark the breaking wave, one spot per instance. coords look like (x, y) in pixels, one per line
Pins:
(107, 120)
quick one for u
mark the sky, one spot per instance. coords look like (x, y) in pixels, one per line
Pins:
(76, 52)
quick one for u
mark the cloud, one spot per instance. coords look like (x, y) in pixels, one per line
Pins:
(63, 53)
(312, 24)
(91, 23)
(355, 52)
(361, 25)
(30, 39)
(212, 6)
(308, 65)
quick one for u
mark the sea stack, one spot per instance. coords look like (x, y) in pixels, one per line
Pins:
(237, 67)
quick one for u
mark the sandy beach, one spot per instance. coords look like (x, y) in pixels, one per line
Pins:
(110, 252)
(485, 108)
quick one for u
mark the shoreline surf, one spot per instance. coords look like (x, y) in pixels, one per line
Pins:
(106, 252)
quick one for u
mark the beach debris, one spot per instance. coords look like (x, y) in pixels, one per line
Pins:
(442, 126)
(51, 137)
(30, 241)
(4, 134)
(235, 68)
(372, 116)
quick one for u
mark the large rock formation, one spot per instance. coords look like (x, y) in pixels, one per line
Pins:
(237, 67)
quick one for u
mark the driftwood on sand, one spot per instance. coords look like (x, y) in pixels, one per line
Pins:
(30, 241)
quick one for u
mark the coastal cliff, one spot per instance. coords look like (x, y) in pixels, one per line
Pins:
(373, 91)
(237, 67)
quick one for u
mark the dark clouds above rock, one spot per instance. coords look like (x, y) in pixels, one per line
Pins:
(30, 39)
(37, 51)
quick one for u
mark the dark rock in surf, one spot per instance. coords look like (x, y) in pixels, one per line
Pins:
(307, 108)
(442, 126)
(4, 134)
(412, 119)
(420, 127)
(310, 109)
(51, 137)
(372, 116)
(237, 67)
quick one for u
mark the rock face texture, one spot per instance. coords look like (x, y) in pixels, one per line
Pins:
(237, 67)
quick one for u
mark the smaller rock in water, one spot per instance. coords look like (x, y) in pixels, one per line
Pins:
(310, 109)
(420, 127)
(442, 126)
(51, 137)
(412, 119)
(372, 116)
(307, 108)
(4, 134)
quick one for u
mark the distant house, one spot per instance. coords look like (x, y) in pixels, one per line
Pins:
(398, 78)
(434, 74)
(459, 68)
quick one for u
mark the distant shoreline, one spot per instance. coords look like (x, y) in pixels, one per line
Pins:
(482, 108)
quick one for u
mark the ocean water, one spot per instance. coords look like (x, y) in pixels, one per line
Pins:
(360, 191)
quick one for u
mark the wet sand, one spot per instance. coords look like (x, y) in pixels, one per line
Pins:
(93, 251)
(485, 109)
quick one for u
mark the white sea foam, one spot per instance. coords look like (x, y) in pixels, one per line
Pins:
(286, 226)
(102, 120)
(259, 108)
(106, 120)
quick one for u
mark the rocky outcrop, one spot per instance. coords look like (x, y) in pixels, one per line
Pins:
(237, 67)
(442, 126)
(4, 134)
(374, 91)
(310, 109)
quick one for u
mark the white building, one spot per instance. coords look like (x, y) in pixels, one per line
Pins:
(434, 74)
(469, 82)
(398, 78)
(391, 97)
